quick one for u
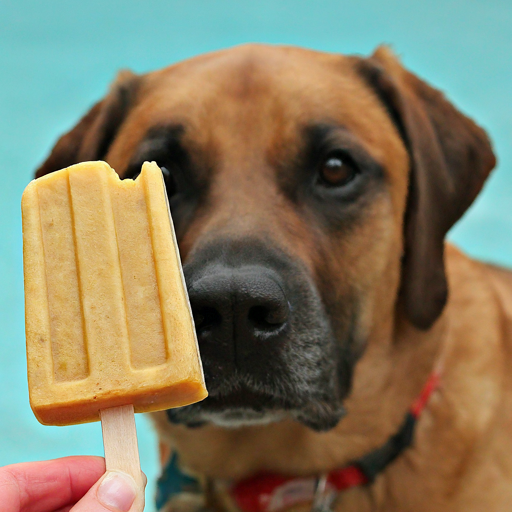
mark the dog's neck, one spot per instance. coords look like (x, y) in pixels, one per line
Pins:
(268, 492)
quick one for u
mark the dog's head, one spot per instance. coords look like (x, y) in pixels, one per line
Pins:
(311, 194)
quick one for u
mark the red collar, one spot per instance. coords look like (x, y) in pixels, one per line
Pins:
(269, 492)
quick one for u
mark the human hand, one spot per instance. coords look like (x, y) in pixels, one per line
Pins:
(71, 484)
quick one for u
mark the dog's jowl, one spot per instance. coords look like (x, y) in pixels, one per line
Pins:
(354, 360)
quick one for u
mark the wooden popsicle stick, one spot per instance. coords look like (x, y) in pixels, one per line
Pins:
(120, 445)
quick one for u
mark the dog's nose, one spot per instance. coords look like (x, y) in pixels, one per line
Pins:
(239, 310)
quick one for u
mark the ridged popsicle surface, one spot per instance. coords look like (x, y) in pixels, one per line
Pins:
(108, 321)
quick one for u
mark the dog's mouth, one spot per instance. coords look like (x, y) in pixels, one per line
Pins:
(242, 407)
(268, 348)
(307, 384)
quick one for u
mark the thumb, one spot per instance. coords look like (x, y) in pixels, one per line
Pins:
(115, 491)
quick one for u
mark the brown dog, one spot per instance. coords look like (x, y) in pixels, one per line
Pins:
(311, 194)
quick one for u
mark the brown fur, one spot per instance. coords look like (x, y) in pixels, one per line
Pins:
(242, 108)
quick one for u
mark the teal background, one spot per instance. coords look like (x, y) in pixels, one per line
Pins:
(58, 57)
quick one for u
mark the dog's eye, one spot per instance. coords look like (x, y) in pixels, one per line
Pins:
(337, 170)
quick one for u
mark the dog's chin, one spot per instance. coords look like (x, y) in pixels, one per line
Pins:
(242, 417)
(256, 410)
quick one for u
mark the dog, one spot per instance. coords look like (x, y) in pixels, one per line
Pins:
(311, 195)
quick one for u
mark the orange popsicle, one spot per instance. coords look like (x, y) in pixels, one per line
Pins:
(108, 321)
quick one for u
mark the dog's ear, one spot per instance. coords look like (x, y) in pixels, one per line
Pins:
(92, 136)
(450, 159)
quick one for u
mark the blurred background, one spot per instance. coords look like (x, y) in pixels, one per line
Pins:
(58, 57)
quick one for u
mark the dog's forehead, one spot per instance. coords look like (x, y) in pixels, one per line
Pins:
(258, 91)
(297, 83)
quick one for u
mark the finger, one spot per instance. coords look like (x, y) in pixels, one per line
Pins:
(115, 492)
(49, 485)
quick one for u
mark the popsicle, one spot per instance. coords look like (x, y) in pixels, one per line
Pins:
(108, 324)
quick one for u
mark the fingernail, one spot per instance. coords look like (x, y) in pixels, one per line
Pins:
(117, 491)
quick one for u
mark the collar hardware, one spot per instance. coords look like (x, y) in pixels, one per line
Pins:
(324, 495)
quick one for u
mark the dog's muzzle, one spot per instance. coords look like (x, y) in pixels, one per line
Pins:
(266, 343)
